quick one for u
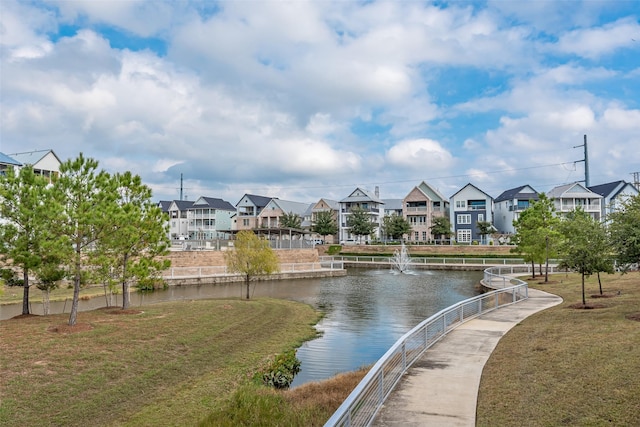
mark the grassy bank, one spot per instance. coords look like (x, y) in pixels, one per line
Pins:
(172, 364)
(568, 366)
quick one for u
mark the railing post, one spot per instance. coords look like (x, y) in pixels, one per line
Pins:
(404, 356)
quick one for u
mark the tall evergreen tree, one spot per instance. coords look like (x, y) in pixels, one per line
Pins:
(28, 211)
(88, 199)
(137, 236)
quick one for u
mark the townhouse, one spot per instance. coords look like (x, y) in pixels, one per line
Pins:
(509, 205)
(419, 207)
(468, 206)
(568, 197)
(369, 202)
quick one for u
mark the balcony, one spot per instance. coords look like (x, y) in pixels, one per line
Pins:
(417, 209)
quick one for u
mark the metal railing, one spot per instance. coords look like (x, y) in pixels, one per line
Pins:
(416, 261)
(221, 270)
(362, 405)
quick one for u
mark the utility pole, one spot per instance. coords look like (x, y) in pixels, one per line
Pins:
(636, 180)
(585, 160)
(180, 187)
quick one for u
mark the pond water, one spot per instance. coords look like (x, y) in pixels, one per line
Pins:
(365, 311)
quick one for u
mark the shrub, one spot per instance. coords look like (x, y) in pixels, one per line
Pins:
(334, 249)
(151, 284)
(279, 373)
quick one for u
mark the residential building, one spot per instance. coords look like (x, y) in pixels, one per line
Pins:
(210, 218)
(509, 205)
(44, 162)
(248, 209)
(613, 194)
(419, 207)
(392, 207)
(7, 162)
(568, 197)
(326, 205)
(270, 216)
(367, 201)
(469, 206)
(178, 219)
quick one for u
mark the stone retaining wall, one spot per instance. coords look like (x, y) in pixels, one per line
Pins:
(216, 258)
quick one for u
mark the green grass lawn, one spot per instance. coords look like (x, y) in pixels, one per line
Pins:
(172, 364)
(568, 366)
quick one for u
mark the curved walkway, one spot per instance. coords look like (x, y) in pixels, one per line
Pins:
(441, 388)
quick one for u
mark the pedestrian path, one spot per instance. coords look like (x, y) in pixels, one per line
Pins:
(441, 388)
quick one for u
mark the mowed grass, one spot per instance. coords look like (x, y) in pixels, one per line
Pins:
(172, 364)
(568, 366)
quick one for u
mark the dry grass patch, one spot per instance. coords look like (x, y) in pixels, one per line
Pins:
(568, 366)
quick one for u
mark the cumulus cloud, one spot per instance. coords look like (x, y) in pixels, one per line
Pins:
(420, 154)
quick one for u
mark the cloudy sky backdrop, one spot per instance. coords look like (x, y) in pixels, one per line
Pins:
(308, 99)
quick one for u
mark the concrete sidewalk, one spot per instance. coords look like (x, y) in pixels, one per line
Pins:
(441, 388)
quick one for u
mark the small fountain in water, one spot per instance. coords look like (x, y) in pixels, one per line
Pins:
(401, 259)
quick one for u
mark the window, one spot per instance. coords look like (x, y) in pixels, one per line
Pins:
(464, 236)
(461, 203)
(245, 222)
(416, 236)
(463, 219)
(480, 217)
(424, 235)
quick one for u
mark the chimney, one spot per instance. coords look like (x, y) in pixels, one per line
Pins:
(377, 192)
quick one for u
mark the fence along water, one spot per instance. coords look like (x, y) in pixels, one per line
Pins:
(362, 405)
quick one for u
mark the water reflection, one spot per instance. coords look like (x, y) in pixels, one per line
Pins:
(369, 310)
(366, 311)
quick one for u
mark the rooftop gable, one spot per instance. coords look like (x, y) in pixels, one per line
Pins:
(572, 190)
(470, 186)
(432, 193)
(7, 160)
(361, 195)
(519, 193)
(214, 203)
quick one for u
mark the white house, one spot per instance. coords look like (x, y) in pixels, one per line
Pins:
(613, 194)
(469, 206)
(44, 162)
(178, 220)
(367, 201)
(508, 206)
(568, 197)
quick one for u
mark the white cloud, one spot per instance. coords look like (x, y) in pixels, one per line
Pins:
(596, 42)
(420, 154)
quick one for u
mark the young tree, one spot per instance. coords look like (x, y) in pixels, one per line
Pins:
(484, 228)
(584, 244)
(441, 227)
(395, 226)
(49, 273)
(537, 233)
(88, 200)
(251, 256)
(290, 220)
(28, 210)
(324, 224)
(137, 236)
(360, 222)
(624, 231)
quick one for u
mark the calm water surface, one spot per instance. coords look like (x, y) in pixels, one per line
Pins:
(366, 311)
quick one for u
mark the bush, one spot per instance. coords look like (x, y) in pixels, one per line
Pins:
(10, 277)
(334, 249)
(279, 373)
(151, 284)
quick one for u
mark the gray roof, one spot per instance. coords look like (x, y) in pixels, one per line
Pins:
(287, 206)
(516, 193)
(258, 201)
(164, 205)
(470, 184)
(566, 190)
(367, 197)
(32, 157)
(183, 205)
(6, 160)
(392, 204)
(215, 203)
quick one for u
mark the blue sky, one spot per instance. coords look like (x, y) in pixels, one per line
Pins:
(302, 99)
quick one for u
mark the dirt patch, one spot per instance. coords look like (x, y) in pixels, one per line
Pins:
(24, 316)
(580, 306)
(66, 329)
(604, 295)
(634, 316)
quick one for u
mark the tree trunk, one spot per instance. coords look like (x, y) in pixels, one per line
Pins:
(73, 316)
(599, 283)
(546, 267)
(533, 269)
(45, 301)
(125, 283)
(584, 300)
(247, 282)
(25, 291)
